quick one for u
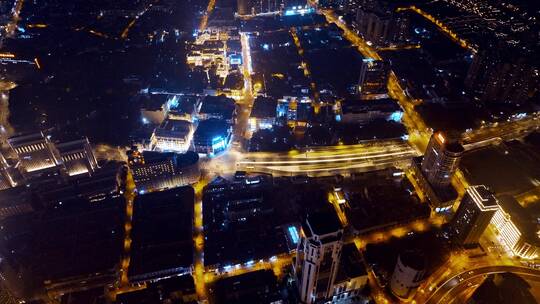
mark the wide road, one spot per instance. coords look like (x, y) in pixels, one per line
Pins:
(505, 130)
(458, 283)
(328, 160)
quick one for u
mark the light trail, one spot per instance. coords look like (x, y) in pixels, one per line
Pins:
(128, 225)
(305, 67)
(204, 19)
(198, 238)
(319, 161)
(125, 32)
(458, 280)
(5, 126)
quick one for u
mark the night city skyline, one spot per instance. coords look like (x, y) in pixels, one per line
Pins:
(269, 151)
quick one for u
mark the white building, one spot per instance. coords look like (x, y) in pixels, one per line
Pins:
(318, 257)
(408, 274)
(516, 228)
(172, 136)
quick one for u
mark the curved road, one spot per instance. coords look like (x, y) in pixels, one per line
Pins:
(455, 284)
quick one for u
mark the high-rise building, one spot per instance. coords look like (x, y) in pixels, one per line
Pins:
(498, 74)
(35, 152)
(380, 24)
(318, 256)
(77, 157)
(408, 274)
(373, 78)
(473, 215)
(441, 160)
(249, 7)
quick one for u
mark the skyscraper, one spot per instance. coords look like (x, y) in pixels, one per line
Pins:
(379, 23)
(441, 160)
(318, 256)
(373, 78)
(473, 215)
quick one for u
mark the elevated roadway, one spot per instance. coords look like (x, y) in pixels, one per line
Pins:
(456, 284)
(317, 161)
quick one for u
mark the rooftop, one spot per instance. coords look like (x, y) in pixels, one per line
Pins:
(482, 195)
(173, 128)
(264, 107)
(162, 234)
(72, 145)
(362, 106)
(413, 259)
(181, 160)
(16, 141)
(211, 128)
(254, 287)
(218, 105)
(350, 265)
(322, 223)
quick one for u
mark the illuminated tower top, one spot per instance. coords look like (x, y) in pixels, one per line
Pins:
(441, 160)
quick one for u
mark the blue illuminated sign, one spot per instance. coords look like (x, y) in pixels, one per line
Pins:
(218, 144)
(396, 116)
(294, 234)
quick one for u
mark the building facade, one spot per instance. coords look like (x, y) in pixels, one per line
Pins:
(159, 171)
(373, 78)
(318, 257)
(441, 160)
(408, 274)
(379, 23)
(473, 215)
(516, 228)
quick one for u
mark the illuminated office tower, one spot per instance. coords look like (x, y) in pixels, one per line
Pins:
(318, 256)
(441, 160)
(473, 215)
(373, 77)
(77, 157)
(34, 151)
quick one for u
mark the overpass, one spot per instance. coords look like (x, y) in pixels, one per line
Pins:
(459, 282)
(328, 160)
